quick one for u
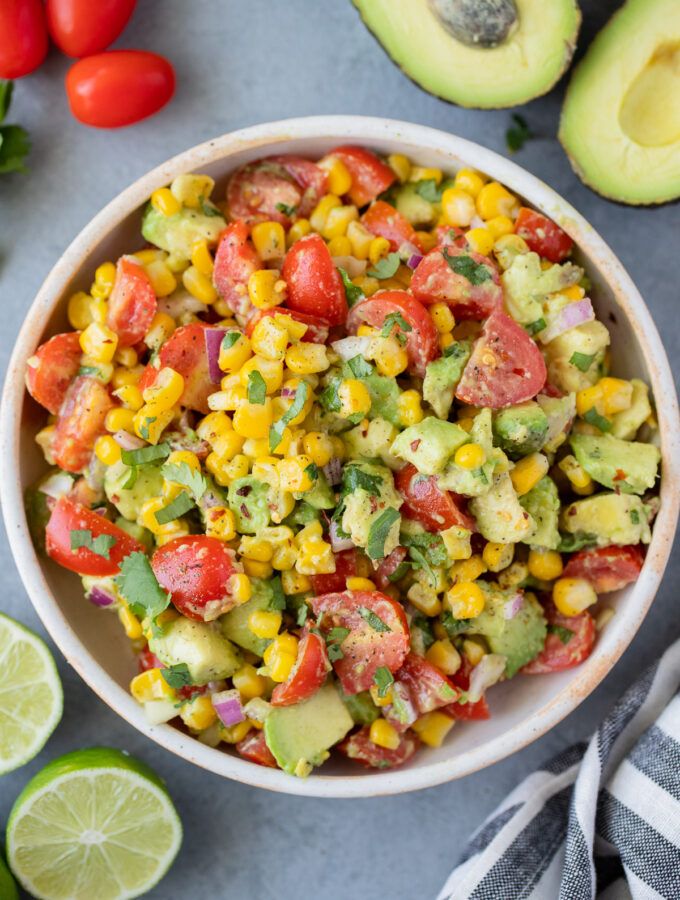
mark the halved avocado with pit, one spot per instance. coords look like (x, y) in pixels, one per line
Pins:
(620, 122)
(480, 53)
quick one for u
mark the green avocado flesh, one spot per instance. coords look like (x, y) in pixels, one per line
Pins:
(620, 122)
(526, 58)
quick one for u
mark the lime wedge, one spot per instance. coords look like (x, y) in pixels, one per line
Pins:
(31, 699)
(8, 886)
(93, 823)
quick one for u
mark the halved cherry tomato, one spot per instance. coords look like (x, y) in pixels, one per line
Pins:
(428, 687)
(360, 747)
(365, 649)
(317, 328)
(542, 235)
(52, 368)
(308, 674)
(385, 221)
(196, 570)
(345, 567)
(185, 352)
(506, 366)
(132, 304)
(424, 501)
(235, 261)
(562, 651)
(470, 297)
(422, 341)
(477, 710)
(450, 236)
(388, 566)
(263, 191)
(67, 517)
(80, 422)
(23, 37)
(147, 660)
(606, 568)
(81, 28)
(370, 175)
(254, 747)
(119, 87)
(311, 178)
(314, 284)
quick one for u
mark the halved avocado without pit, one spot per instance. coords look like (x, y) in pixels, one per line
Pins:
(478, 53)
(620, 122)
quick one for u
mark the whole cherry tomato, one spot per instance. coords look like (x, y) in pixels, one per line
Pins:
(119, 87)
(23, 37)
(83, 27)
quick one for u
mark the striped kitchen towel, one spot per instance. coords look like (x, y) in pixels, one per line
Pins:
(600, 820)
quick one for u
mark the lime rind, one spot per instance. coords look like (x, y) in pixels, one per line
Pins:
(31, 696)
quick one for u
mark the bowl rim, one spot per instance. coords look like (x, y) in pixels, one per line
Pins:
(344, 128)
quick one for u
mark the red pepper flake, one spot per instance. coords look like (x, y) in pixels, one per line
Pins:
(415, 444)
(620, 475)
(244, 510)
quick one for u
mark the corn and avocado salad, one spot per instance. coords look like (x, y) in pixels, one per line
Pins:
(340, 449)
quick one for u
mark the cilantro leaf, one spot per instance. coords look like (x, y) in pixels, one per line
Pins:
(354, 479)
(278, 598)
(353, 293)
(400, 571)
(429, 190)
(423, 624)
(564, 634)
(379, 530)
(177, 676)
(569, 543)
(229, 339)
(428, 543)
(334, 638)
(420, 559)
(452, 625)
(257, 388)
(302, 613)
(360, 367)
(208, 208)
(392, 321)
(518, 133)
(180, 505)
(145, 455)
(182, 473)
(101, 545)
(14, 146)
(476, 273)
(383, 679)
(286, 209)
(386, 267)
(137, 584)
(295, 408)
(373, 620)
(635, 517)
(329, 397)
(534, 327)
(582, 361)
(131, 480)
(457, 350)
(592, 417)
(312, 470)
(6, 89)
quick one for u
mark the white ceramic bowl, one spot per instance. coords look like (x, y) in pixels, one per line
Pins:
(94, 644)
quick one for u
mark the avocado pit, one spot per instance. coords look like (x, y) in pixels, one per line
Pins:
(477, 23)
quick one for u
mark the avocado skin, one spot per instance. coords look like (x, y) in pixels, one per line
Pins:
(520, 430)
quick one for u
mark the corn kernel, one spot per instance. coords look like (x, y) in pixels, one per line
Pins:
(150, 685)
(220, 523)
(161, 277)
(390, 357)
(424, 599)
(307, 358)
(409, 408)
(356, 583)
(199, 285)
(285, 556)
(574, 292)
(433, 727)
(269, 239)
(255, 548)
(465, 600)
(337, 221)
(366, 284)
(497, 557)
(354, 398)
(400, 165)
(150, 423)
(340, 246)
(239, 587)
(470, 181)
(234, 734)
(339, 178)
(494, 200)
(198, 713)
(528, 472)
(79, 310)
(441, 315)
(318, 447)
(426, 173)
(295, 583)
(378, 248)
(265, 623)
(315, 558)
(121, 377)
(360, 238)
(580, 480)
(270, 337)
(294, 474)
(508, 247)
(165, 391)
(190, 189)
(164, 202)
(256, 569)
(444, 656)
(480, 240)
(458, 208)
(162, 326)
(617, 395)
(546, 565)
(253, 420)
(470, 456)
(130, 396)
(201, 258)
(572, 596)
(99, 342)
(297, 230)
(320, 213)
(119, 419)
(457, 542)
(107, 450)
(227, 461)
(248, 683)
(513, 576)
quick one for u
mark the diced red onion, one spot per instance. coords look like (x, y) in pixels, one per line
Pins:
(407, 249)
(338, 543)
(484, 674)
(413, 260)
(349, 347)
(127, 441)
(56, 485)
(227, 705)
(213, 341)
(99, 597)
(353, 266)
(333, 470)
(568, 317)
(513, 606)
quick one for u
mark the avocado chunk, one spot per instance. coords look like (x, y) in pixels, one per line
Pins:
(413, 206)
(300, 736)
(320, 495)
(520, 638)
(234, 624)
(475, 482)
(542, 503)
(128, 501)
(499, 514)
(589, 341)
(560, 412)
(442, 376)
(479, 53)
(619, 124)
(199, 645)
(178, 233)
(138, 532)
(368, 492)
(430, 444)
(372, 442)
(608, 518)
(520, 430)
(527, 286)
(626, 466)
(625, 424)
(248, 499)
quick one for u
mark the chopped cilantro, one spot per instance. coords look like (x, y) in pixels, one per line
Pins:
(476, 273)
(379, 531)
(295, 408)
(334, 638)
(302, 613)
(286, 209)
(457, 350)
(354, 479)
(429, 190)
(278, 600)
(518, 133)
(420, 560)
(383, 679)
(93, 371)
(423, 624)
(145, 455)
(182, 473)
(177, 676)
(635, 517)
(386, 267)
(534, 327)
(360, 367)
(257, 388)
(180, 505)
(373, 620)
(144, 428)
(229, 339)
(329, 397)
(564, 634)
(400, 571)
(481, 474)
(582, 361)
(101, 545)
(592, 417)
(139, 587)
(452, 625)
(313, 471)
(432, 545)
(569, 543)
(6, 91)
(131, 480)
(392, 321)
(353, 294)
(208, 208)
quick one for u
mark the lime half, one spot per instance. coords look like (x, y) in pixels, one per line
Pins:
(93, 823)
(8, 887)
(31, 699)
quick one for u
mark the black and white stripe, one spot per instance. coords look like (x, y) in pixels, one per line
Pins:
(600, 820)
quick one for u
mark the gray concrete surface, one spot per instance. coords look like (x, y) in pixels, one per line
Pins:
(240, 62)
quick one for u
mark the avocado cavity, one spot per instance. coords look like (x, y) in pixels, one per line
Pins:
(477, 23)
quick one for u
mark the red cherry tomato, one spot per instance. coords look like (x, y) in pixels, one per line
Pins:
(562, 651)
(235, 261)
(310, 177)
(506, 366)
(147, 660)
(275, 189)
(606, 568)
(542, 235)
(80, 422)
(308, 674)
(450, 236)
(185, 352)
(428, 688)
(23, 37)
(385, 221)
(314, 284)
(360, 747)
(365, 649)
(422, 341)
(317, 329)
(196, 570)
(254, 747)
(478, 710)
(434, 281)
(424, 501)
(345, 567)
(81, 27)
(132, 304)
(52, 368)
(388, 566)
(370, 175)
(68, 516)
(119, 87)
